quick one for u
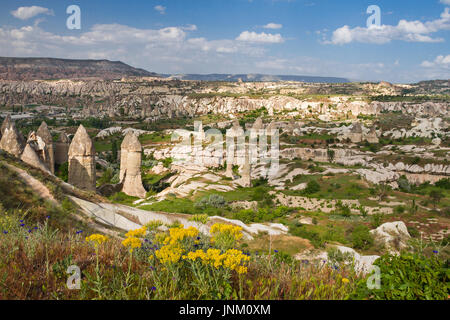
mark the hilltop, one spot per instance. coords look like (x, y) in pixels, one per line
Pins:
(52, 68)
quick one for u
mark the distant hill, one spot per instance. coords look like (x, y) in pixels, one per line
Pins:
(51, 68)
(255, 78)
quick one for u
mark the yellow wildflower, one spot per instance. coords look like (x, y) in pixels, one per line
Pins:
(132, 243)
(345, 280)
(136, 233)
(169, 254)
(227, 229)
(97, 239)
(178, 234)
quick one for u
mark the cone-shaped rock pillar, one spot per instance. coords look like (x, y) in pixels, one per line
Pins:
(12, 140)
(130, 166)
(49, 154)
(82, 161)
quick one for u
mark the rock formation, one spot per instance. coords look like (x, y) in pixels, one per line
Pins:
(5, 125)
(245, 180)
(31, 157)
(130, 166)
(48, 155)
(82, 161)
(393, 235)
(12, 140)
(371, 136)
(356, 133)
(61, 149)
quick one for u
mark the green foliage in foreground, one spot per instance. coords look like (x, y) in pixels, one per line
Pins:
(408, 277)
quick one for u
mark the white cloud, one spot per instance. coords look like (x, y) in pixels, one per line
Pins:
(24, 13)
(190, 27)
(411, 31)
(160, 9)
(440, 62)
(165, 50)
(445, 2)
(262, 37)
(273, 26)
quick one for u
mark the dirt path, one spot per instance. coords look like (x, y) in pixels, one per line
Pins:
(33, 183)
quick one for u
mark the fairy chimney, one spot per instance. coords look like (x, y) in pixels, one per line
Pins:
(356, 133)
(12, 140)
(31, 157)
(371, 136)
(61, 149)
(245, 180)
(130, 166)
(82, 161)
(5, 125)
(49, 152)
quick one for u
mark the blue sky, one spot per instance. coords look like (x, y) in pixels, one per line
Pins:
(303, 37)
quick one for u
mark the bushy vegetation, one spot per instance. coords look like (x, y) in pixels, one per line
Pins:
(408, 277)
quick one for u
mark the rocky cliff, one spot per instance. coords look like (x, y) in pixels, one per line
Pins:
(153, 100)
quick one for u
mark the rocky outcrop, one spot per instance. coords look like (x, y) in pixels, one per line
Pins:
(245, 180)
(6, 123)
(130, 166)
(362, 264)
(371, 136)
(393, 235)
(48, 154)
(62, 149)
(82, 161)
(31, 157)
(12, 140)
(173, 99)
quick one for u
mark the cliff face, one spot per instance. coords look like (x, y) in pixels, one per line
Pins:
(153, 100)
(50, 68)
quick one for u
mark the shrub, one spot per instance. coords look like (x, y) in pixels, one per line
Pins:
(361, 237)
(377, 220)
(443, 184)
(399, 209)
(403, 184)
(408, 277)
(214, 200)
(312, 187)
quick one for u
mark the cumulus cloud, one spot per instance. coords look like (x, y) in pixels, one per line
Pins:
(440, 62)
(24, 13)
(262, 37)
(168, 50)
(160, 9)
(445, 2)
(275, 25)
(411, 31)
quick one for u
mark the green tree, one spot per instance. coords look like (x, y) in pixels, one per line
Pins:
(331, 154)
(436, 197)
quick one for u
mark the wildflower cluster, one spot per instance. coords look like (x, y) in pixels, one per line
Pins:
(177, 235)
(132, 241)
(221, 228)
(225, 235)
(169, 254)
(97, 239)
(136, 233)
(176, 244)
(231, 259)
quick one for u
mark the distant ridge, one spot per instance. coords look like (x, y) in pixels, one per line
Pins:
(53, 68)
(255, 78)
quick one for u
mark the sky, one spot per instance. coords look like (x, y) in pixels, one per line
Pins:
(410, 43)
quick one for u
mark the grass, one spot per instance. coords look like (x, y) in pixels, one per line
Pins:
(40, 260)
(152, 138)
